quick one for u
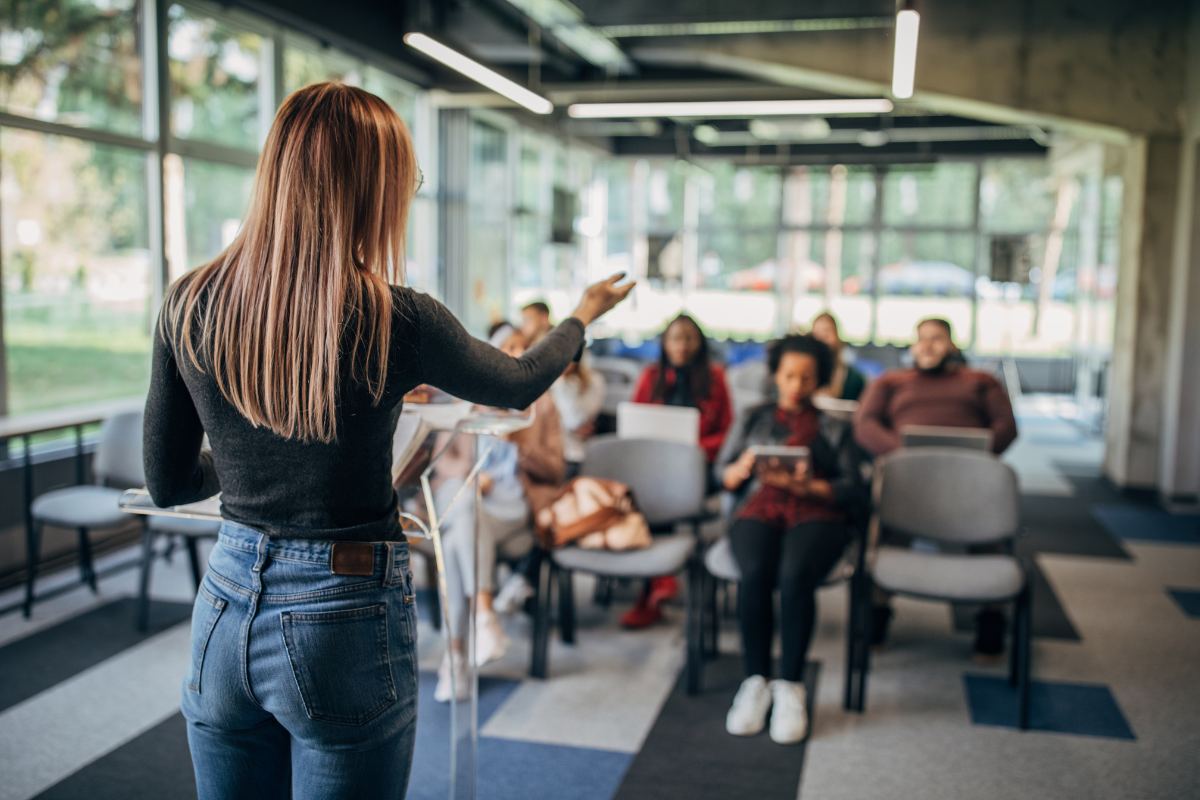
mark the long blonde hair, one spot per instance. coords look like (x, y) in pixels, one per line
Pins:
(322, 241)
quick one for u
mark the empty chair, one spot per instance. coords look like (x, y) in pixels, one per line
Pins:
(668, 481)
(959, 498)
(620, 376)
(89, 507)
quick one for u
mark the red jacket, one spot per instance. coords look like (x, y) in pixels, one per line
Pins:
(716, 410)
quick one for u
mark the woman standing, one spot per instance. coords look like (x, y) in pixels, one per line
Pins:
(788, 529)
(684, 376)
(293, 351)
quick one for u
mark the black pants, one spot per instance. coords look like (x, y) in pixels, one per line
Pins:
(796, 561)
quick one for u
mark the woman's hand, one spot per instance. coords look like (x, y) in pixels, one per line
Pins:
(600, 298)
(738, 472)
(799, 482)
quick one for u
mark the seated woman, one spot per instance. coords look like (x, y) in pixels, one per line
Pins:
(789, 528)
(579, 396)
(522, 474)
(846, 383)
(684, 376)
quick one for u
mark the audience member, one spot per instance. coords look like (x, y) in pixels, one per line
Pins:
(521, 475)
(535, 322)
(788, 530)
(940, 389)
(579, 395)
(684, 376)
(847, 383)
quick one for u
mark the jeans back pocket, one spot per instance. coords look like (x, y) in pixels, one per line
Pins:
(341, 663)
(205, 613)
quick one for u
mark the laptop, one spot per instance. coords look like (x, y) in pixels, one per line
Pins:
(945, 436)
(838, 409)
(665, 423)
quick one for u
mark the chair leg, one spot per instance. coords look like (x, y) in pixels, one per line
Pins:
(1014, 648)
(435, 597)
(33, 549)
(694, 630)
(852, 641)
(539, 656)
(712, 617)
(1025, 678)
(864, 645)
(603, 594)
(566, 606)
(193, 552)
(143, 607)
(87, 570)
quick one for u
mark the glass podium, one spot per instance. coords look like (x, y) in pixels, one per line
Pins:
(435, 429)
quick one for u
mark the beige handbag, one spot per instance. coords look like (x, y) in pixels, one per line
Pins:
(594, 514)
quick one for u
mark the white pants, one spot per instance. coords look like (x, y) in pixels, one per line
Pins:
(500, 524)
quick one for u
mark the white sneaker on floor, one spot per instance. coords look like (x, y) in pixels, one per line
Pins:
(789, 717)
(491, 642)
(513, 594)
(459, 688)
(748, 714)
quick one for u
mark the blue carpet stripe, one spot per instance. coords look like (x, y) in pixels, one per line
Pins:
(1074, 708)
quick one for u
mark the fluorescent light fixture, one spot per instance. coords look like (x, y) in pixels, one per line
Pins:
(732, 108)
(904, 65)
(478, 73)
(805, 129)
(706, 134)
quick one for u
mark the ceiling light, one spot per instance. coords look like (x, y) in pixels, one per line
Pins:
(706, 134)
(873, 138)
(796, 130)
(904, 65)
(732, 108)
(478, 73)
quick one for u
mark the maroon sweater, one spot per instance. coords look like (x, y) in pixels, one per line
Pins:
(963, 398)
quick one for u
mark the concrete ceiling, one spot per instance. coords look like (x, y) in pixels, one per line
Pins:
(991, 77)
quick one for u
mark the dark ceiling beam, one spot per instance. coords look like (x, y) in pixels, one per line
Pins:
(553, 53)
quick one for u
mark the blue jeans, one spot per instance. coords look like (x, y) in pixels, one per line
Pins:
(303, 683)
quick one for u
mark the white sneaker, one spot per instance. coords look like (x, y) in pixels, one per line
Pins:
(491, 642)
(457, 689)
(789, 717)
(748, 714)
(513, 594)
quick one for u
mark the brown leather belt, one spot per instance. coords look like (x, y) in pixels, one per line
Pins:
(352, 558)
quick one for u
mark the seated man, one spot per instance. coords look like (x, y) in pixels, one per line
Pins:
(535, 322)
(939, 389)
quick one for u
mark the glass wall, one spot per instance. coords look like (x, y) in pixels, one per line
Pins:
(81, 265)
(753, 250)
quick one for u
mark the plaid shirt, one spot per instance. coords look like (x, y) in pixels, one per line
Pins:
(780, 507)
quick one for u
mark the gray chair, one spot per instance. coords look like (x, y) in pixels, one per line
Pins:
(668, 483)
(88, 507)
(620, 377)
(959, 499)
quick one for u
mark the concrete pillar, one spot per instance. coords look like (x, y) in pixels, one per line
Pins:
(1138, 378)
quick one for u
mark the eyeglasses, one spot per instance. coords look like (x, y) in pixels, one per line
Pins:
(420, 179)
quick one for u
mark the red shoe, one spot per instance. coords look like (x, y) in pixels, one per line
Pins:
(642, 615)
(662, 590)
